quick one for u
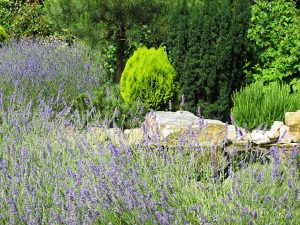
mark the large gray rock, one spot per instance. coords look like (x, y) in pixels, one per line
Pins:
(292, 120)
(167, 126)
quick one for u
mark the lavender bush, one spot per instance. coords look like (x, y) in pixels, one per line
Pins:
(50, 173)
(46, 68)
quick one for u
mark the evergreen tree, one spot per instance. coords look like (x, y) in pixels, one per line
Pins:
(98, 20)
(178, 35)
(214, 60)
(239, 29)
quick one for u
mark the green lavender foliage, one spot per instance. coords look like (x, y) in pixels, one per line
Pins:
(148, 76)
(259, 104)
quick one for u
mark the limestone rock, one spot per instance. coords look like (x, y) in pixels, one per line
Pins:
(285, 136)
(237, 134)
(133, 136)
(274, 132)
(101, 135)
(168, 126)
(292, 120)
(260, 137)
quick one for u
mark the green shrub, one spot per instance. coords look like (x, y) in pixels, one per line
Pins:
(259, 104)
(3, 35)
(109, 107)
(148, 76)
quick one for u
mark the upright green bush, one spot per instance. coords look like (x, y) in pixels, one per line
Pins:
(3, 35)
(148, 76)
(258, 104)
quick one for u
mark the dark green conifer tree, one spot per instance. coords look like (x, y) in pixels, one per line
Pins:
(239, 28)
(104, 20)
(214, 60)
(178, 36)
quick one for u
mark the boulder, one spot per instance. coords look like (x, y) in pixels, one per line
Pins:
(237, 135)
(292, 120)
(285, 136)
(169, 126)
(133, 136)
(260, 137)
(101, 135)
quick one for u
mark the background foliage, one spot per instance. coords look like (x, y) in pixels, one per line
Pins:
(24, 18)
(208, 42)
(274, 41)
(98, 21)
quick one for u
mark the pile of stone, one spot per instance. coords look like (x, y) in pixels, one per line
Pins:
(172, 128)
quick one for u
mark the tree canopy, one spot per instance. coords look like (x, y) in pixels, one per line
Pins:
(100, 20)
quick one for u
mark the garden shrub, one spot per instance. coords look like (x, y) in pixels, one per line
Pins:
(107, 106)
(259, 104)
(3, 35)
(148, 76)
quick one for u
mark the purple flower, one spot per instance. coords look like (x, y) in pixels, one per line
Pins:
(268, 198)
(161, 218)
(182, 101)
(259, 177)
(170, 105)
(288, 216)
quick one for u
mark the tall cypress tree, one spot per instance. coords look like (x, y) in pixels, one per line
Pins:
(240, 24)
(214, 59)
(178, 35)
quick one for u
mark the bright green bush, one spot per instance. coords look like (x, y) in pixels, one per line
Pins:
(148, 76)
(3, 35)
(258, 104)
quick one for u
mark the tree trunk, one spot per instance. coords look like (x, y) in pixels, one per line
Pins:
(121, 41)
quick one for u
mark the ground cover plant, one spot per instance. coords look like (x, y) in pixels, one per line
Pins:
(50, 173)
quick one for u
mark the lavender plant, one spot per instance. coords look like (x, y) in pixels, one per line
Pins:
(50, 173)
(45, 68)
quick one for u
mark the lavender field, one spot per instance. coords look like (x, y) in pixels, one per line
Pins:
(47, 177)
